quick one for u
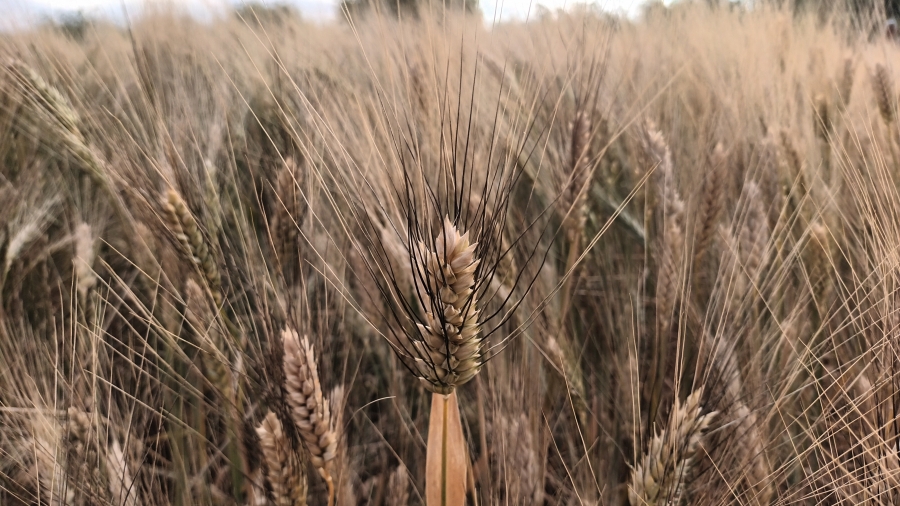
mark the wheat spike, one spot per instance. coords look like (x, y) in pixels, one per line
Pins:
(660, 477)
(84, 259)
(450, 352)
(121, 483)
(59, 115)
(823, 118)
(845, 83)
(710, 207)
(83, 469)
(210, 340)
(398, 487)
(754, 235)
(290, 211)
(309, 409)
(284, 470)
(670, 255)
(751, 451)
(883, 86)
(185, 228)
(577, 177)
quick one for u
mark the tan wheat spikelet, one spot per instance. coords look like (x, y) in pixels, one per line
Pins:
(185, 228)
(209, 339)
(883, 87)
(660, 477)
(290, 211)
(85, 279)
(121, 481)
(751, 451)
(823, 118)
(754, 235)
(398, 487)
(284, 470)
(710, 206)
(59, 115)
(83, 469)
(450, 351)
(578, 176)
(309, 409)
(845, 83)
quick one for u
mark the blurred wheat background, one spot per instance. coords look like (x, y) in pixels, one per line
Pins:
(687, 269)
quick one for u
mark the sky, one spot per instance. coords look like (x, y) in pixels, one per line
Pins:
(24, 11)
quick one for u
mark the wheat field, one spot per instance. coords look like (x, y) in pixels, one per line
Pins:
(424, 259)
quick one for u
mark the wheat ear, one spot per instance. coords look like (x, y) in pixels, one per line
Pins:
(883, 86)
(185, 228)
(575, 191)
(710, 206)
(85, 279)
(660, 477)
(83, 469)
(289, 213)
(216, 361)
(845, 83)
(450, 352)
(309, 409)
(121, 481)
(283, 469)
(54, 109)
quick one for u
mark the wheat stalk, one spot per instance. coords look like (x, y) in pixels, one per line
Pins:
(284, 470)
(309, 409)
(660, 477)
